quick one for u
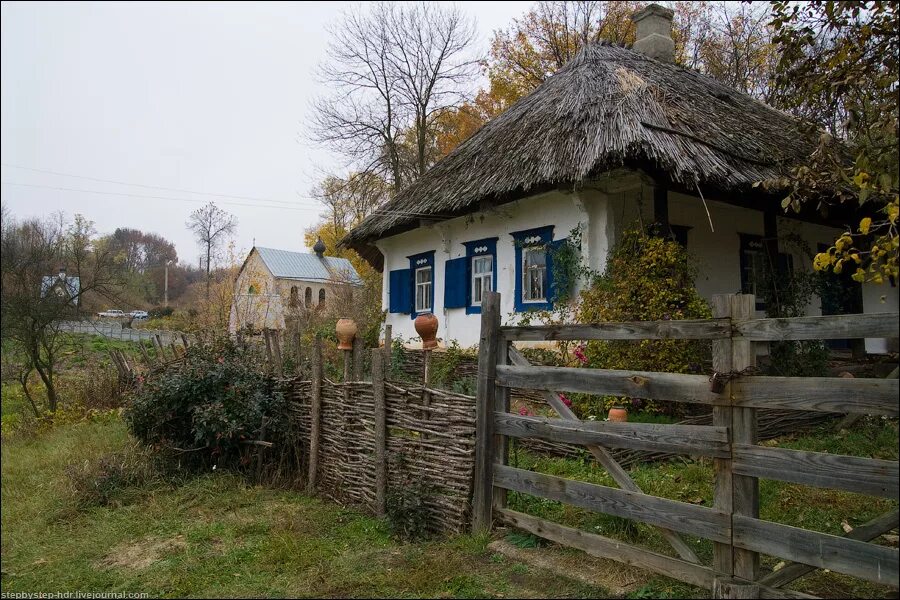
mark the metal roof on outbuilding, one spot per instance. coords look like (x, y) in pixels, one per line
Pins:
(285, 264)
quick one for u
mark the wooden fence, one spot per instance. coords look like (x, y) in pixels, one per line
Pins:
(363, 440)
(732, 523)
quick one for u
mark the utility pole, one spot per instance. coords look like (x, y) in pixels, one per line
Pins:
(166, 287)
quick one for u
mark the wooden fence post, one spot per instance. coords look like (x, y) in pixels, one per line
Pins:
(357, 359)
(388, 348)
(744, 431)
(728, 587)
(501, 404)
(721, 417)
(315, 413)
(276, 353)
(380, 431)
(482, 501)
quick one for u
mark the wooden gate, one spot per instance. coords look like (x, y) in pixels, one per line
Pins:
(732, 523)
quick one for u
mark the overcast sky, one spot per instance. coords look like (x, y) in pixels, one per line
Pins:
(209, 97)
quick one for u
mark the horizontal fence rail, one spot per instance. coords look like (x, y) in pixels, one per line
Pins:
(671, 514)
(732, 523)
(820, 394)
(608, 382)
(830, 327)
(850, 473)
(701, 329)
(850, 557)
(694, 440)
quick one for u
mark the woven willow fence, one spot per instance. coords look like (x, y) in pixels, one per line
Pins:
(425, 441)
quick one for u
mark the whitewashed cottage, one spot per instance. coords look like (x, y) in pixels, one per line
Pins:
(616, 136)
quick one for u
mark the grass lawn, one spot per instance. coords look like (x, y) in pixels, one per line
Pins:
(215, 536)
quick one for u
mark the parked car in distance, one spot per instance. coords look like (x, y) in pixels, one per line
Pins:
(139, 314)
(111, 312)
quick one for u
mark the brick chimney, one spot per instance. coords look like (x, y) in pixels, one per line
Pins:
(654, 32)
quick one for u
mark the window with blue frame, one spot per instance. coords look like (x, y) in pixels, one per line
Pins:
(422, 268)
(534, 269)
(480, 274)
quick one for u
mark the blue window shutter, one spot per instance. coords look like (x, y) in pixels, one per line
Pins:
(559, 283)
(400, 291)
(455, 276)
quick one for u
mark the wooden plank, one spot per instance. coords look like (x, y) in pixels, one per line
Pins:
(723, 556)
(870, 396)
(676, 387)
(143, 350)
(357, 359)
(745, 488)
(733, 588)
(851, 473)
(850, 557)
(865, 533)
(678, 516)
(695, 440)
(615, 470)
(482, 491)
(276, 353)
(878, 325)
(501, 405)
(604, 547)
(380, 418)
(388, 349)
(315, 413)
(700, 329)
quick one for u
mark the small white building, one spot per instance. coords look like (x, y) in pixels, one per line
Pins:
(272, 284)
(618, 136)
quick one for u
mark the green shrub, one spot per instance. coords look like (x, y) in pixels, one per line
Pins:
(647, 278)
(406, 511)
(209, 406)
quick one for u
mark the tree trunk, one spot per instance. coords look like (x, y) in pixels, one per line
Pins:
(23, 380)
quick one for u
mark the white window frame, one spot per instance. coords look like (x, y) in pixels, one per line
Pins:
(487, 276)
(526, 279)
(427, 289)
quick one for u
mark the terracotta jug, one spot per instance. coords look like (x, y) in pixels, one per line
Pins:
(618, 414)
(426, 326)
(346, 331)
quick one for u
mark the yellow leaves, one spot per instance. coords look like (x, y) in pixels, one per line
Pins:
(864, 225)
(859, 276)
(822, 261)
(893, 210)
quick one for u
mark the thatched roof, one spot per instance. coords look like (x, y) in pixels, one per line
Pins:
(608, 107)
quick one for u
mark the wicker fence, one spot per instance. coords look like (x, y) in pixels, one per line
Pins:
(368, 439)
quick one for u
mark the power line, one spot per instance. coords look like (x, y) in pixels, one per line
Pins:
(151, 187)
(146, 196)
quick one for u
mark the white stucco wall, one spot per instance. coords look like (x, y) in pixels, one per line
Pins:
(563, 211)
(718, 259)
(601, 214)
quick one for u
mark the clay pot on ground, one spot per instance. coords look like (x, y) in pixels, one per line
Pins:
(619, 414)
(346, 331)
(426, 326)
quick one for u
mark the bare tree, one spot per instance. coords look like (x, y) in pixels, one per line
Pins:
(392, 69)
(39, 293)
(211, 227)
(429, 54)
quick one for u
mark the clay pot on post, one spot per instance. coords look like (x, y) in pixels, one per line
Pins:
(618, 414)
(346, 331)
(426, 326)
